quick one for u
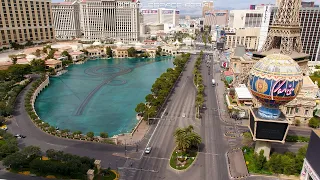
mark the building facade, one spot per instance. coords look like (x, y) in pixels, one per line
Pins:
(66, 20)
(301, 108)
(245, 18)
(311, 164)
(310, 31)
(25, 20)
(150, 16)
(103, 20)
(169, 16)
(209, 18)
(221, 17)
(248, 37)
(206, 6)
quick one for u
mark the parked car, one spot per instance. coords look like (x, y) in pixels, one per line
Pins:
(148, 150)
(19, 136)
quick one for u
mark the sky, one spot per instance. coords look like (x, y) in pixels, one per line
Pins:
(192, 7)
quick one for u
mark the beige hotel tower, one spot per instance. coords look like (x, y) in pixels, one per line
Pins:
(25, 20)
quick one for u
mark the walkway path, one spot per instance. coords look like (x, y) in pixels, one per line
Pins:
(137, 136)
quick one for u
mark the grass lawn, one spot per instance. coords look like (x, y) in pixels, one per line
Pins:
(250, 161)
(192, 154)
(111, 176)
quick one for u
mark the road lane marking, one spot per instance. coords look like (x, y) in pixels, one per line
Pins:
(152, 134)
(55, 145)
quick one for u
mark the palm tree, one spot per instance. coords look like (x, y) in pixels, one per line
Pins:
(186, 138)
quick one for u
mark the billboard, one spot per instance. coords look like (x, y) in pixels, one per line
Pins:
(271, 130)
(149, 11)
(177, 12)
(167, 11)
(252, 7)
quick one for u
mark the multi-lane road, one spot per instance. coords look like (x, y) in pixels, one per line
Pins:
(211, 162)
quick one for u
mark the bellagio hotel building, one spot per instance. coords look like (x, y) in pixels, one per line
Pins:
(25, 20)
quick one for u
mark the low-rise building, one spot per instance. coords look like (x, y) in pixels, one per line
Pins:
(240, 66)
(248, 37)
(120, 53)
(311, 164)
(77, 56)
(243, 95)
(301, 108)
(55, 64)
(97, 52)
(149, 42)
(152, 52)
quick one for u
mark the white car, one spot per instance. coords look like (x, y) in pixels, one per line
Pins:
(183, 115)
(148, 150)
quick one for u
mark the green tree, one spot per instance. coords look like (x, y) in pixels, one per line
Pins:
(51, 53)
(109, 51)
(104, 134)
(141, 108)
(85, 52)
(38, 65)
(10, 147)
(314, 122)
(90, 134)
(18, 71)
(159, 50)
(2, 120)
(132, 52)
(37, 53)
(149, 98)
(275, 163)
(288, 164)
(186, 138)
(15, 161)
(31, 151)
(66, 54)
(260, 160)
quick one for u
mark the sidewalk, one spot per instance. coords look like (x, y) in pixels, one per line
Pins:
(138, 135)
(221, 92)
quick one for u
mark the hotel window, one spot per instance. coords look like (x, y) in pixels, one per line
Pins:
(306, 112)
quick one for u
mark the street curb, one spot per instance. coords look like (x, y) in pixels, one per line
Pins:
(182, 170)
(238, 177)
(117, 174)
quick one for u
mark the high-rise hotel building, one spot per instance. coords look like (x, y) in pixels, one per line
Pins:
(66, 20)
(310, 31)
(25, 20)
(110, 19)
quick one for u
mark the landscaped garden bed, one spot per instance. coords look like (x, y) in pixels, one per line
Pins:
(182, 160)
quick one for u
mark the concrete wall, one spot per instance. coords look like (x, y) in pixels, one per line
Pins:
(43, 85)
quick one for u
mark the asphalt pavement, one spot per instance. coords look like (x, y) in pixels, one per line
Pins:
(22, 124)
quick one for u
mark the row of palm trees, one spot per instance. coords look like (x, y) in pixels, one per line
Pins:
(66, 133)
(186, 138)
(198, 81)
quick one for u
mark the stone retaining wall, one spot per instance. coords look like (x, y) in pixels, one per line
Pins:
(43, 85)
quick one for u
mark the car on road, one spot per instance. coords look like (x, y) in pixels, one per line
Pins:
(204, 107)
(166, 113)
(147, 150)
(183, 114)
(19, 136)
